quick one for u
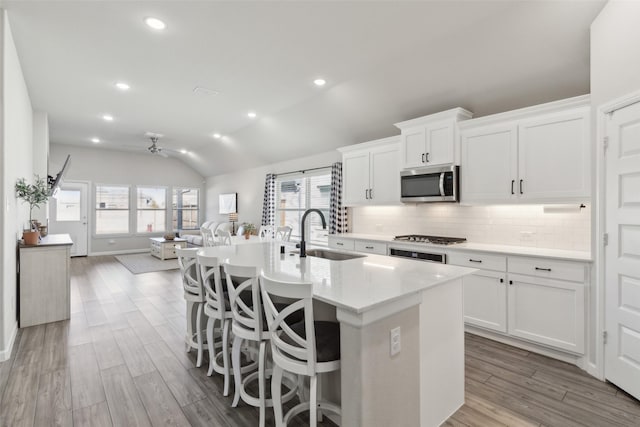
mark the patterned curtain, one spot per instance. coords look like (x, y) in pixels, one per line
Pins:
(269, 202)
(337, 213)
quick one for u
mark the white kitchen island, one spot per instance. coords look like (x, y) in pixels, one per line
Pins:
(423, 384)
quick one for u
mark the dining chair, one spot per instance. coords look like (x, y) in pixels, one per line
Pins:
(224, 237)
(283, 233)
(266, 231)
(208, 239)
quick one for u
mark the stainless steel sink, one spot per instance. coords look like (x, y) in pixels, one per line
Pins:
(332, 255)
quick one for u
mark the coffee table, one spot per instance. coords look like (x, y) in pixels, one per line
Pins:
(166, 249)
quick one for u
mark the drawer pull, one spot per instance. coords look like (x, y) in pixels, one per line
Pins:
(511, 282)
(501, 280)
(369, 247)
(339, 244)
(543, 269)
(475, 260)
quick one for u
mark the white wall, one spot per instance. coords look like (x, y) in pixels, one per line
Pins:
(249, 184)
(480, 224)
(41, 156)
(16, 148)
(102, 166)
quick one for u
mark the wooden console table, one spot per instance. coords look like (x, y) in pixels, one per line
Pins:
(43, 280)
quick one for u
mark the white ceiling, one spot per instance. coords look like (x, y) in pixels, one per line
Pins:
(384, 61)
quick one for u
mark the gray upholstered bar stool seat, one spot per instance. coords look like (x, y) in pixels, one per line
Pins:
(307, 347)
(195, 299)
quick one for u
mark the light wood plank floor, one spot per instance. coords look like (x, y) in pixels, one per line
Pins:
(120, 361)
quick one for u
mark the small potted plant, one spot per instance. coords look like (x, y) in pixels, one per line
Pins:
(249, 229)
(35, 195)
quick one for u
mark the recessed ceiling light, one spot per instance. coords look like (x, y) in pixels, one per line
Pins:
(108, 117)
(95, 140)
(122, 86)
(319, 82)
(155, 23)
(183, 151)
(217, 136)
(251, 114)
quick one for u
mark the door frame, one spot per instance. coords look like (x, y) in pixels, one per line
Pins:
(89, 205)
(597, 368)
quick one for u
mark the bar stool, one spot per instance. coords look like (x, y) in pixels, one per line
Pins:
(217, 309)
(194, 296)
(248, 324)
(307, 347)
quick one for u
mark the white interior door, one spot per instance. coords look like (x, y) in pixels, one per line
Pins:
(622, 254)
(69, 215)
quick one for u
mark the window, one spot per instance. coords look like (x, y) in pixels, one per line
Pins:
(151, 204)
(68, 205)
(185, 209)
(112, 209)
(297, 193)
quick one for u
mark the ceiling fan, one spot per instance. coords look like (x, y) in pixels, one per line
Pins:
(153, 148)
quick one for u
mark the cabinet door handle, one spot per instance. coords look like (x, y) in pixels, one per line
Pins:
(427, 157)
(371, 193)
(511, 282)
(366, 194)
(501, 280)
(543, 269)
(422, 157)
(521, 192)
(513, 181)
(475, 260)
(368, 247)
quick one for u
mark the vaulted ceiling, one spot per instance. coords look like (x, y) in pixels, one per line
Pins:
(384, 62)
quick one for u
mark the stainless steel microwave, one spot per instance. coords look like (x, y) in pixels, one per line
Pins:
(436, 184)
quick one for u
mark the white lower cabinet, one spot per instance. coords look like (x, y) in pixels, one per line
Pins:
(537, 299)
(485, 300)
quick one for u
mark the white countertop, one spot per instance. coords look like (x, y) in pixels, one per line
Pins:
(484, 247)
(356, 285)
(51, 240)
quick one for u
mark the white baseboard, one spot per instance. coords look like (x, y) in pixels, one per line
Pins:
(6, 353)
(123, 252)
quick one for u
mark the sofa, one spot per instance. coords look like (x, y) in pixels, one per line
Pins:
(194, 237)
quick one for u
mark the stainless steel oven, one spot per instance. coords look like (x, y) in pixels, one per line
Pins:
(436, 184)
(421, 255)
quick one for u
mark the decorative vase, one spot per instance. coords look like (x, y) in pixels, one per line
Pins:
(43, 231)
(30, 237)
(247, 235)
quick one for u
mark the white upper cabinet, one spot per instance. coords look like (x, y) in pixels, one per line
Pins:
(489, 159)
(430, 140)
(554, 158)
(535, 155)
(371, 173)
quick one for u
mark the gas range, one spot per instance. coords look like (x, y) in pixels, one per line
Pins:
(436, 240)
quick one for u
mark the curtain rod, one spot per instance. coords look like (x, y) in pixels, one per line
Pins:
(303, 170)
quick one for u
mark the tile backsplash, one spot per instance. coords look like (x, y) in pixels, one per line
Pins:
(567, 227)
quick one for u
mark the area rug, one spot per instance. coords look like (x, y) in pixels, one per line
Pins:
(145, 263)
